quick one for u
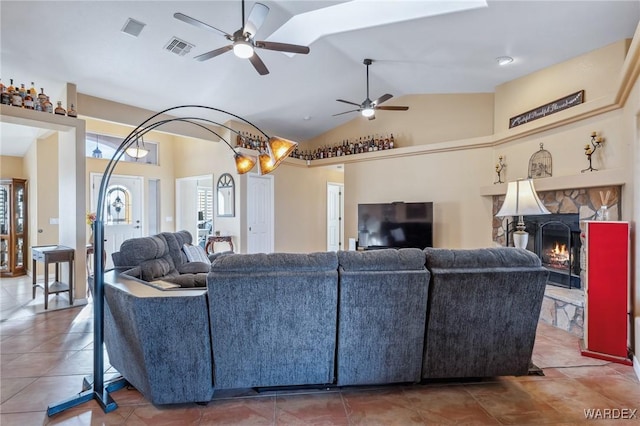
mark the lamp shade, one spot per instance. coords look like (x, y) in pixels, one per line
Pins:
(244, 163)
(267, 165)
(522, 200)
(136, 152)
(280, 148)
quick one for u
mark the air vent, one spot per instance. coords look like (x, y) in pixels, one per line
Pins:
(133, 27)
(179, 47)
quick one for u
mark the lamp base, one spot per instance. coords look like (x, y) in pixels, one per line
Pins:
(520, 239)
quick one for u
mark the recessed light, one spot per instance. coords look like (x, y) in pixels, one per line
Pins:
(306, 117)
(504, 60)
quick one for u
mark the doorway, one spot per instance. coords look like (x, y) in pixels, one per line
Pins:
(194, 206)
(123, 211)
(260, 215)
(335, 213)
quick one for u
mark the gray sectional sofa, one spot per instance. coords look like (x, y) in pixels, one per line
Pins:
(346, 318)
(161, 257)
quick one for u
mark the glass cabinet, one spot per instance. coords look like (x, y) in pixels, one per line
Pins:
(13, 227)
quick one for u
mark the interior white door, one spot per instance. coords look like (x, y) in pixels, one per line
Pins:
(260, 214)
(122, 210)
(334, 217)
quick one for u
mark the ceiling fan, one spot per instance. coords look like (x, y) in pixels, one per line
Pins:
(369, 107)
(243, 44)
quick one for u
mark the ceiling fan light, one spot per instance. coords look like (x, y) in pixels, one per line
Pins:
(243, 49)
(368, 112)
(244, 163)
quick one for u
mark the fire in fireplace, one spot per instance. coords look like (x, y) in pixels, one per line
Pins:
(555, 238)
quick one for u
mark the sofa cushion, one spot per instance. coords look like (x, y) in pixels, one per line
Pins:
(155, 268)
(175, 241)
(495, 257)
(195, 254)
(136, 250)
(326, 261)
(382, 260)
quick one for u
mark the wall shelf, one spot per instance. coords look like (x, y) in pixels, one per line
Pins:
(613, 177)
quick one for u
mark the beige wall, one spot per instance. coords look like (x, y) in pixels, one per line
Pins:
(631, 132)
(430, 119)
(41, 171)
(164, 171)
(197, 157)
(301, 207)
(11, 167)
(596, 73)
(450, 180)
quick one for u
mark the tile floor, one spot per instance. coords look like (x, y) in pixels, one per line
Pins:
(44, 357)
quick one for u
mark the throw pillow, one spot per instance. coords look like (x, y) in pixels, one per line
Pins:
(195, 253)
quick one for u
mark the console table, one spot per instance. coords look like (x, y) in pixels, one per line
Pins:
(53, 254)
(212, 239)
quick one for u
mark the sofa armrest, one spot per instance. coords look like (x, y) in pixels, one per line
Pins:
(135, 272)
(194, 268)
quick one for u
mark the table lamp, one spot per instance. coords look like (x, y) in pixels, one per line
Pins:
(521, 200)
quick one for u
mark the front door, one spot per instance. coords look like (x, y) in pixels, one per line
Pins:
(122, 210)
(260, 214)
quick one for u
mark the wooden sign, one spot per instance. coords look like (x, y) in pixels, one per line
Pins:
(548, 109)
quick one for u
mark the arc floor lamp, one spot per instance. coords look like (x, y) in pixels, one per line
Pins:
(277, 150)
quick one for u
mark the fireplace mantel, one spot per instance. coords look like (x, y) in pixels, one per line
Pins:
(611, 177)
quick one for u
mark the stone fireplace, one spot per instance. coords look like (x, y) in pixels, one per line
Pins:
(557, 240)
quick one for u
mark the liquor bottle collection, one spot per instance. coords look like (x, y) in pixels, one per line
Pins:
(346, 147)
(370, 143)
(22, 97)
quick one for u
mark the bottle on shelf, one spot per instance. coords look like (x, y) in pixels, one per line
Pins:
(27, 102)
(23, 91)
(59, 110)
(391, 142)
(47, 106)
(42, 98)
(16, 97)
(5, 98)
(11, 87)
(72, 111)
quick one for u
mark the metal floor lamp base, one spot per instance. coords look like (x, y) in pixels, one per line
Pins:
(103, 398)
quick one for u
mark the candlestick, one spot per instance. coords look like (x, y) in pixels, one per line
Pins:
(590, 149)
(499, 168)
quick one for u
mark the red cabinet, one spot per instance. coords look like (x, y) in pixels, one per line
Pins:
(607, 304)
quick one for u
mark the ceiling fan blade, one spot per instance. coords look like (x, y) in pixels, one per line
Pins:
(382, 99)
(348, 102)
(256, 18)
(346, 112)
(282, 47)
(189, 20)
(392, 108)
(213, 53)
(258, 64)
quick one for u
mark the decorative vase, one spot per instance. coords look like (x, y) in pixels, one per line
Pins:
(91, 237)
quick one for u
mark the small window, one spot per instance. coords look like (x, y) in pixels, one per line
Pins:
(118, 206)
(103, 146)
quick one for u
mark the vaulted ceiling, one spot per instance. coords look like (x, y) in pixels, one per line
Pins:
(54, 42)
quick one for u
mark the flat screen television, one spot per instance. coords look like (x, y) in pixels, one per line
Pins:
(395, 225)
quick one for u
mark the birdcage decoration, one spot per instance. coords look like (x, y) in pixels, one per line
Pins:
(540, 164)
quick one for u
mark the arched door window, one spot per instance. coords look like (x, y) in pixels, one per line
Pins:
(118, 206)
